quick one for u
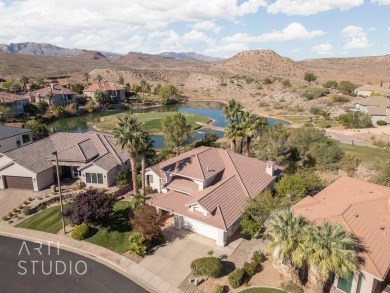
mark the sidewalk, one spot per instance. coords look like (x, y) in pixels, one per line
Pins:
(123, 265)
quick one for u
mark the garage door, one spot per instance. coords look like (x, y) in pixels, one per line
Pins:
(200, 228)
(19, 182)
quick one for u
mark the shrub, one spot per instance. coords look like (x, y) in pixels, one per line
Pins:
(381, 123)
(5, 218)
(330, 84)
(338, 99)
(219, 288)
(20, 207)
(250, 268)
(355, 119)
(258, 257)
(314, 93)
(349, 162)
(207, 266)
(236, 278)
(138, 244)
(42, 206)
(30, 199)
(80, 232)
(148, 189)
(291, 287)
(26, 210)
(381, 143)
(25, 202)
(10, 214)
(286, 83)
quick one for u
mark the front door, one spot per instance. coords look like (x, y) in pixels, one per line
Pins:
(66, 172)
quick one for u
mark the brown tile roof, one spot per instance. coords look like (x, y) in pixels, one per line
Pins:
(8, 131)
(183, 184)
(370, 87)
(87, 147)
(236, 179)
(362, 208)
(104, 86)
(9, 98)
(378, 101)
(56, 89)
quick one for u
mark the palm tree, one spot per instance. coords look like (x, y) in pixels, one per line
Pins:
(252, 127)
(333, 250)
(146, 150)
(233, 131)
(24, 80)
(232, 111)
(128, 135)
(86, 77)
(99, 78)
(143, 86)
(288, 234)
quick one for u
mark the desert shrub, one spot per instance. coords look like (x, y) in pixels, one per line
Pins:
(381, 123)
(219, 288)
(80, 232)
(330, 84)
(236, 277)
(381, 143)
(316, 110)
(138, 244)
(346, 87)
(258, 257)
(355, 119)
(5, 218)
(25, 202)
(268, 80)
(291, 287)
(148, 189)
(249, 80)
(349, 163)
(338, 99)
(250, 268)
(207, 266)
(314, 93)
(10, 214)
(15, 210)
(286, 83)
(42, 206)
(30, 198)
(26, 210)
(223, 84)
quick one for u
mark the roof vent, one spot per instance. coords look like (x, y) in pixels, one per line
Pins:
(356, 215)
(382, 228)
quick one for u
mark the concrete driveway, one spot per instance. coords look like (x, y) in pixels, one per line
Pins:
(12, 198)
(172, 260)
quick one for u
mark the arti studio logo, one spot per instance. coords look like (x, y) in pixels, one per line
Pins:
(40, 265)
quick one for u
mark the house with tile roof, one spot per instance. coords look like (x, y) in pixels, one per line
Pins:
(14, 137)
(378, 107)
(363, 208)
(15, 102)
(90, 156)
(206, 189)
(116, 92)
(54, 94)
(371, 90)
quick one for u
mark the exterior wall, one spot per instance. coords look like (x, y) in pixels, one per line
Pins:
(9, 143)
(111, 176)
(95, 169)
(169, 177)
(368, 283)
(200, 228)
(374, 119)
(63, 100)
(156, 180)
(15, 170)
(223, 237)
(17, 106)
(44, 179)
(89, 94)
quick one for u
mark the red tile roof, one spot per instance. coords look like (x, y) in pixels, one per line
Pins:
(54, 89)
(363, 208)
(9, 98)
(104, 86)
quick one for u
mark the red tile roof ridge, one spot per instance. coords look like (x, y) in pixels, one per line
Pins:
(238, 175)
(222, 217)
(111, 149)
(200, 166)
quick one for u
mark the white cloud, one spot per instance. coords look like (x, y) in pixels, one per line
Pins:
(372, 29)
(197, 36)
(323, 49)
(226, 50)
(207, 26)
(355, 36)
(310, 7)
(381, 2)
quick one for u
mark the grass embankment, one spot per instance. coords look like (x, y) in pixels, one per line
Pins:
(262, 290)
(302, 119)
(151, 122)
(368, 155)
(112, 235)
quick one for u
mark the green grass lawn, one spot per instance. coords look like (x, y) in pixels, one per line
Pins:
(47, 221)
(112, 235)
(151, 122)
(262, 290)
(368, 155)
(320, 122)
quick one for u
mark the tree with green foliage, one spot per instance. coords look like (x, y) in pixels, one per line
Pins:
(24, 80)
(346, 87)
(168, 94)
(258, 210)
(39, 130)
(355, 119)
(233, 132)
(121, 178)
(5, 113)
(121, 79)
(157, 89)
(127, 134)
(42, 106)
(86, 77)
(288, 234)
(252, 125)
(30, 109)
(349, 163)
(77, 88)
(330, 84)
(209, 140)
(298, 185)
(176, 131)
(232, 111)
(146, 150)
(332, 251)
(100, 97)
(382, 176)
(136, 88)
(90, 106)
(310, 76)
(143, 87)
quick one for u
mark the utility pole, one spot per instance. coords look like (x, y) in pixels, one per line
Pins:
(59, 187)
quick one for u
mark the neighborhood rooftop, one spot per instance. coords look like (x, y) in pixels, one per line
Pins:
(9, 131)
(104, 86)
(53, 89)
(363, 208)
(9, 98)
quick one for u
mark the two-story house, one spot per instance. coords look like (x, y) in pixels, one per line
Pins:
(14, 137)
(15, 102)
(206, 189)
(115, 92)
(55, 95)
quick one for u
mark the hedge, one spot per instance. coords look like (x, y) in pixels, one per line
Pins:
(80, 232)
(207, 266)
(236, 278)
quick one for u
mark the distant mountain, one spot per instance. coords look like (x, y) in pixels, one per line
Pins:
(191, 55)
(44, 49)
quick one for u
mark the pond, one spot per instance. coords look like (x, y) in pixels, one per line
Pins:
(207, 109)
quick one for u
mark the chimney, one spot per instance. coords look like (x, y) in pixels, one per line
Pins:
(270, 169)
(52, 86)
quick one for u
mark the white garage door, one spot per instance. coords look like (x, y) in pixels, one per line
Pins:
(200, 228)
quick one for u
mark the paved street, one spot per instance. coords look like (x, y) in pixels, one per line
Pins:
(64, 271)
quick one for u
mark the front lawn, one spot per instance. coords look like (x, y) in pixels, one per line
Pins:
(151, 122)
(112, 235)
(47, 221)
(262, 290)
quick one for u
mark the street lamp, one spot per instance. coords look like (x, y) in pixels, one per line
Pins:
(59, 186)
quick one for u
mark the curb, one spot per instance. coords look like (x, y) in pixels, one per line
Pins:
(122, 265)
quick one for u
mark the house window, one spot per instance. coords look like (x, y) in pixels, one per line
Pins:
(149, 179)
(25, 138)
(18, 143)
(345, 285)
(95, 178)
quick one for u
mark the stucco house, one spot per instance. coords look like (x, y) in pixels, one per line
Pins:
(206, 189)
(369, 90)
(376, 106)
(15, 102)
(90, 156)
(54, 94)
(363, 209)
(115, 92)
(14, 137)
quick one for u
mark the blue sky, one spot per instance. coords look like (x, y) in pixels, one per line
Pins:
(297, 29)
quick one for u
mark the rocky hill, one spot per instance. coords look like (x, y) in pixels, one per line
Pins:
(94, 55)
(190, 55)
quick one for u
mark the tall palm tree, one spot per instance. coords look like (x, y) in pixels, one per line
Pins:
(288, 234)
(86, 77)
(333, 250)
(24, 80)
(143, 86)
(127, 134)
(99, 78)
(252, 127)
(232, 111)
(146, 150)
(233, 131)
